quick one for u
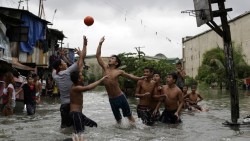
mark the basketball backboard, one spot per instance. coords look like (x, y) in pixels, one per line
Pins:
(202, 11)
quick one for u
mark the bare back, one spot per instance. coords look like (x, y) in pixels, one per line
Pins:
(76, 100)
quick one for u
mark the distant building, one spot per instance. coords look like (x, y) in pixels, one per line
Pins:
(26, 41)
(195, 46)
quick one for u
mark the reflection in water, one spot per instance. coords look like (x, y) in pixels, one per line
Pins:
(44, 125)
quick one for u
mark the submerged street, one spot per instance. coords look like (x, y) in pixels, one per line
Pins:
(44, 125)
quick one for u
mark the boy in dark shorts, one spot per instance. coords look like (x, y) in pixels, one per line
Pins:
(193, 98)
(157, 96)
(117, 98)
(79, 120)
(173, 100)
(61, 75)
(144, 91)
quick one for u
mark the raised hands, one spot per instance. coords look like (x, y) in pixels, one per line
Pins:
(102, 40)
(85, 41)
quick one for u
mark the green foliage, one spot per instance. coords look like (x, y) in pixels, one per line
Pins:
(189, 81)
(133, 65)
(92, 78)
(213, 68)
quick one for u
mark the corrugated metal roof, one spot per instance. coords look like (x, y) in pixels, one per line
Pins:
(23, 11)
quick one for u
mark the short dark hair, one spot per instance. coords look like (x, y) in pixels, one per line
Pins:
(193, 87)
(157, 72)
(174, 75)
(74, 76)
(149, 68)
(56, 64)
(117, 60)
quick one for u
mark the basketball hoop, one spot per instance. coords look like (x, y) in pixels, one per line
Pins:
(196, 13)
(202, 12)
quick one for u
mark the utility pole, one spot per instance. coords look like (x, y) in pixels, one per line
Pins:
(39, 10)
(19, 3)
(53, 17)
(138, 49)
(27, 2)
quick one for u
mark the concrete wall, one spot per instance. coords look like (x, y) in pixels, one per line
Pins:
(94, 67)
(196, 46)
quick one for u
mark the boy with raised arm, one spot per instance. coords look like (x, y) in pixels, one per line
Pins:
(79, 120)
(117, 98)
(61, 75)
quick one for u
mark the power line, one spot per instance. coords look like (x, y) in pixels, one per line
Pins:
(124, 12)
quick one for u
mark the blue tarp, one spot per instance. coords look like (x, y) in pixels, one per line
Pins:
(36, 32)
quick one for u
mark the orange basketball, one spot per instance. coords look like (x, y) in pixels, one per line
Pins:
(88, 20)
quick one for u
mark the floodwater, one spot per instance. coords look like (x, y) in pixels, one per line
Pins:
(203, 126)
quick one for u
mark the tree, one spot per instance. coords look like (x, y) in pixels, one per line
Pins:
(132, 64)
(213, 68)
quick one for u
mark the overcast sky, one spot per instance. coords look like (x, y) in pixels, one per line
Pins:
(155, 25)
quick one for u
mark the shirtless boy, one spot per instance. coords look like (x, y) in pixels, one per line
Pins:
(117, 98)
(144, 91)
(79, 120)
(61, 75)
(193, 98)
(157, 96)
(173, 100)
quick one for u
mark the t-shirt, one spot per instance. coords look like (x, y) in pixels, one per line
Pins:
(29, 92)
(64, 82)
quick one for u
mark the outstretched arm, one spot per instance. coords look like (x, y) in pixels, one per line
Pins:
(19, 91)
(98, 53)
(131, 76)
(82, 54)
(90, 86)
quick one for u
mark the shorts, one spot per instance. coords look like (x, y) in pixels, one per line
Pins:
(65, 118)
(169, 117)
(144, 113)
(31, 109)
(117, 103)
(79, 121)
(156, 117)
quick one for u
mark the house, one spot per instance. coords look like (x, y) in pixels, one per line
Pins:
(31, 42)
